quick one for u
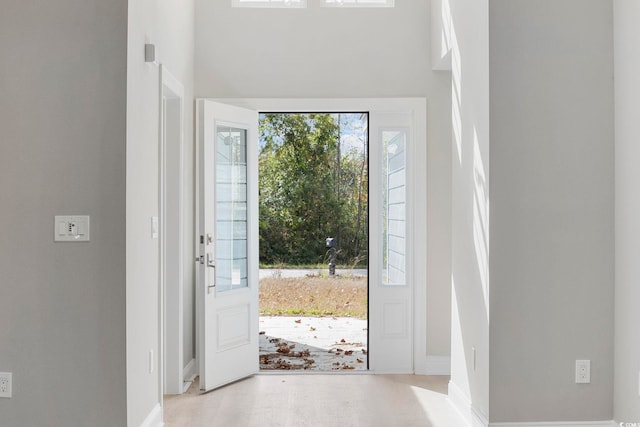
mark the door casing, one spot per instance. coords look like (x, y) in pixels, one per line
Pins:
(417, 178)
(171, 360)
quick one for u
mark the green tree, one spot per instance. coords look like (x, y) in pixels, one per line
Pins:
(309, 190)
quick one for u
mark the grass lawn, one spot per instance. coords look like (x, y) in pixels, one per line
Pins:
(340, 296)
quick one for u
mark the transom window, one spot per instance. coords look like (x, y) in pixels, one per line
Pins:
(358, 3)
(303, 3)
(269, 3)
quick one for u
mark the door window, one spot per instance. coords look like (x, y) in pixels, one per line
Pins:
(394, 202)
(231, 208)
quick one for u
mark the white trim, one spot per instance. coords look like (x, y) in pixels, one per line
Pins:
(154, 419)
(477, 418)
(559, 424)
(171, 264)
(438, 365)
(474, 418)
(189, 371)
(462, 403)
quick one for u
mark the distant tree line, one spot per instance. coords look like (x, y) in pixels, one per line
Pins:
(311, 190)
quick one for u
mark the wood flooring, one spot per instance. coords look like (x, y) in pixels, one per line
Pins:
(317, 400)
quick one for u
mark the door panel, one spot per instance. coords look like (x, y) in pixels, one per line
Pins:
(391, 280)
(228, 224)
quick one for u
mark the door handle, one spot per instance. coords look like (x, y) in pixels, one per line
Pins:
(211, 263)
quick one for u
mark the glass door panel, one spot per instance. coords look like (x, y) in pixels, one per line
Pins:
(231, 208)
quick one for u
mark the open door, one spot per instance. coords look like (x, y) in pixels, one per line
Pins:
(227, 291)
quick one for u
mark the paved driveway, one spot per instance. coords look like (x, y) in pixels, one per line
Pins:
(286, 273)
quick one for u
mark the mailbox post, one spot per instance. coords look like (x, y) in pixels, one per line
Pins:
(331, 244)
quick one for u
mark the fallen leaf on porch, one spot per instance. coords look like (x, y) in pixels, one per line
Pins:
(283, 348)
(359, 361)
(348, 352)
(262, 332)
(303, 353)
(343, 340)
(312, 329)
(298, 320)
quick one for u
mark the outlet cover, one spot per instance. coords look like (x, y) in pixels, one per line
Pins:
(5, 385)
(583, 371)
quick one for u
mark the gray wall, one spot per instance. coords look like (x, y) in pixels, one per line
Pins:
(62, 151)
(340, 53)
(627, 105)
(552, 217)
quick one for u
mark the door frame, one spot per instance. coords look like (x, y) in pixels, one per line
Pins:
(171, 227)
(418, 176)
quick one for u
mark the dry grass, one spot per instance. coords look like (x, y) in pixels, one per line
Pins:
(314, 296)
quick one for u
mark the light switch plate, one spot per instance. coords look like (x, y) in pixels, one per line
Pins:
(71, 228)
(6, 388)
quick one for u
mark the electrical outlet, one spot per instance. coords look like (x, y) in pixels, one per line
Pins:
(583, 371)
(5, 384)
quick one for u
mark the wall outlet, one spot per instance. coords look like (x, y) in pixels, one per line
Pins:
(5, 384)
(583, 371)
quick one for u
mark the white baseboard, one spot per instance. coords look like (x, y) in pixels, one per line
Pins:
(154, 419)
(559, 424)
(438, 365)
(189, 371)
(463, 405)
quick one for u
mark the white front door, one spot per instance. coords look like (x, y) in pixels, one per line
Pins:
(227, 291)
